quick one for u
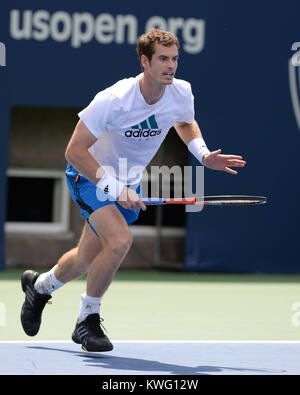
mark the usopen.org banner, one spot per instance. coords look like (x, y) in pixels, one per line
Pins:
(80, 28)
(82, 50)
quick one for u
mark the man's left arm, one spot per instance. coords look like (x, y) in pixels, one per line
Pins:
(191, 135)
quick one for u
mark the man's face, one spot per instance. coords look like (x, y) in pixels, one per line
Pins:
(163, 65)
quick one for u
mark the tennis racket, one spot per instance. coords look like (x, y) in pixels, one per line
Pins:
(218, 200)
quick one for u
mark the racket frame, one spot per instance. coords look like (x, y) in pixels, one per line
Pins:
(217, 200)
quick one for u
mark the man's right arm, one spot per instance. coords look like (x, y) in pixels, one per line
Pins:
(78, 155)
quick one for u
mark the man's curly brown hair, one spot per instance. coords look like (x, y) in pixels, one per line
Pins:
(145, 43)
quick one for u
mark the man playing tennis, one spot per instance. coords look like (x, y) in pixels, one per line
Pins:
(127, 120)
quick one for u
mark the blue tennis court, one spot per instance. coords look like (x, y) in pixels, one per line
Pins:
(152, 358)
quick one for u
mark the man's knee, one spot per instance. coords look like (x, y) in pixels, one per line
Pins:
(85, 257)
(120, 244)
(83, 264)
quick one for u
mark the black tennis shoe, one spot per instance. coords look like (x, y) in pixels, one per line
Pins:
(90, 335)
(31, 313)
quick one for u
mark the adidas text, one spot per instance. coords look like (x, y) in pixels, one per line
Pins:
(142, 133)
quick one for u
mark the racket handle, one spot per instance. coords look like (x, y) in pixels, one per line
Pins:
(153, 201)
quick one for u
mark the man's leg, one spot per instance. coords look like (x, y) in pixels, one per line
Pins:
(102, 256)
(72, 264)
(116, 240)
(38, 288)
(76, 262)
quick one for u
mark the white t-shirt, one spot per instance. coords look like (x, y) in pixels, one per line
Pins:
(129, 131)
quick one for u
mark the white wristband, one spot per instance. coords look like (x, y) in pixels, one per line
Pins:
(198, 148)
(110, 186)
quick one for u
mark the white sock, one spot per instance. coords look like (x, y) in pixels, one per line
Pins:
(47, 283)
(89, 305)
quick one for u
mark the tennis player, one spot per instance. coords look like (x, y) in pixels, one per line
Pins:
(125, 123)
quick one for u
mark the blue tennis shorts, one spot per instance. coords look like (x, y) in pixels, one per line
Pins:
(89, 198)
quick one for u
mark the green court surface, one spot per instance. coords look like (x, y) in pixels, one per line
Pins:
(157, 305)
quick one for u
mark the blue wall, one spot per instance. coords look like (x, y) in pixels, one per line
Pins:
(244, 106)
(236, 56)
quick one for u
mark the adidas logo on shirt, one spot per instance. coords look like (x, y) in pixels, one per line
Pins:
(142, 133)
(146, 129)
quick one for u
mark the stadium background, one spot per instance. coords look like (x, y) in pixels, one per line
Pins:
(237, 55)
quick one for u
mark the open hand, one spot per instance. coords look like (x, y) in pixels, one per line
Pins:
(217, 161)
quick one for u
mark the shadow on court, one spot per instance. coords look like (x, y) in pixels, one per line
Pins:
(127, 365)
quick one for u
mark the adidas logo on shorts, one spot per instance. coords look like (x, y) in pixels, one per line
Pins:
(106, 189)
